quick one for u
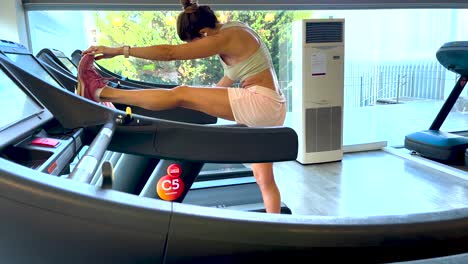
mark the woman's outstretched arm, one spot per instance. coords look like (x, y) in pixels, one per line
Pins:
(200, 48)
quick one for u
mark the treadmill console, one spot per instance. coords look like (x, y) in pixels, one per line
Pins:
(21, 56)
(60, 58)
(29, 135)
(454, 56)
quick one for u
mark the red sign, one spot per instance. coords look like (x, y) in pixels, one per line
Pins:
(171, 186)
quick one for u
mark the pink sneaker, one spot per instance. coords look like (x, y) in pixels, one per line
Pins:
(89, 79)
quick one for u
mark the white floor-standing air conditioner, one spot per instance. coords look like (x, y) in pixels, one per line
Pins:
(318, 87)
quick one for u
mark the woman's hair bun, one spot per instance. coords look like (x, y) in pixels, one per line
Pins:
(189, 4)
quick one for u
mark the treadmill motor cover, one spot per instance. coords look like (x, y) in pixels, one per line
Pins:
(438, 145)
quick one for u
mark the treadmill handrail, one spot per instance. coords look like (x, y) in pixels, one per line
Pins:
(449, 103)
(124, 81)
(87, 166)
(129, 82)
(69, 82)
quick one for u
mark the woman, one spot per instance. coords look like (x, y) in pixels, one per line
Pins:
(245, 58)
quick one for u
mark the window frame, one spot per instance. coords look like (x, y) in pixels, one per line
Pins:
(240, 4)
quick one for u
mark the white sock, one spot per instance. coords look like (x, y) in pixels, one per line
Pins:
(97, 94)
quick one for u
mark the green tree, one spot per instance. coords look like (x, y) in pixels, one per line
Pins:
(143, 28)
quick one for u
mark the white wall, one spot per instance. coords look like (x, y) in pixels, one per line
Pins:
(12, 22)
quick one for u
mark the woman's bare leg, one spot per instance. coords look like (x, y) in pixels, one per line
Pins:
(212, 101)
(263, 173)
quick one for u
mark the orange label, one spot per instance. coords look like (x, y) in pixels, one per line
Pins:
(170, 188)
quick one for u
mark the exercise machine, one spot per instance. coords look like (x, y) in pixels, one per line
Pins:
(143, 143)
(123, 163)
(445, 147)
(51, 219)
(220, 187)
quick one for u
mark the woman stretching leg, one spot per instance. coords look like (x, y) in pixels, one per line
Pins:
(245, 58)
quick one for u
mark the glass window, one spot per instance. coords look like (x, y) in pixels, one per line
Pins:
(393, 83)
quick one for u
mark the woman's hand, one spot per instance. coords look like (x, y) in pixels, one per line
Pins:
(103, 52)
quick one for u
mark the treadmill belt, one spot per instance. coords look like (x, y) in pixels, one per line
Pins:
(217, 171)
(225, 196)
(244, 197)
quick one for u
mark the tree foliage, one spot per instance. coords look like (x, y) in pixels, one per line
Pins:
(143, 28)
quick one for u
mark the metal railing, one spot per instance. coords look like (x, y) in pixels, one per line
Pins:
(393, 83)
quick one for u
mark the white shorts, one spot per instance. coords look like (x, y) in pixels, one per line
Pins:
(257, 106)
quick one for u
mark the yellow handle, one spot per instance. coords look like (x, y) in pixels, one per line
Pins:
(128, 110)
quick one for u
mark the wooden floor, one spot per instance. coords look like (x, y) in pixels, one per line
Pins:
(387, 181)
(370, 183)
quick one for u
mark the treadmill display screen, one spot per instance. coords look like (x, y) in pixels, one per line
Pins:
(28, 62)
(17, 104)
(69, 65)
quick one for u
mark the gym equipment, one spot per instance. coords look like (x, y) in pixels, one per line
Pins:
(229, 183)
(445, 147)
(123, 163)
(57, 59)
(50, 219)
(191, 152)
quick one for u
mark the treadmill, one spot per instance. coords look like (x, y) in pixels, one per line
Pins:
(242, 196)
(211, 173)
(123, 163)
(216, 185)
(49, 219)
(445, 147)
(189, 155)
(51, 71)
(58, 60)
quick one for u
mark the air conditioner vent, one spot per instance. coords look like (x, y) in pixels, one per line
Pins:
(323, 129)
(323, 32)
